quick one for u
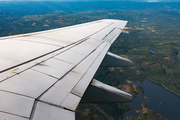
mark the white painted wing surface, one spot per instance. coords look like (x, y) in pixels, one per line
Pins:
(45, 74)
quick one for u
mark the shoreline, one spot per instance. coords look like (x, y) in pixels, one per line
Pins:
(163, 86)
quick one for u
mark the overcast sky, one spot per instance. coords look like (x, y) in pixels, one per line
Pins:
(104, 0)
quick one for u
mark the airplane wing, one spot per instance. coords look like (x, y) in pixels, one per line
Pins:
(45, 75)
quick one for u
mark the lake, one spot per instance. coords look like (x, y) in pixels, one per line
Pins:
(153, 51)
(159, 99)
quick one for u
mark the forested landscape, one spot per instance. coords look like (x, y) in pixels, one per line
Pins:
(148, 29)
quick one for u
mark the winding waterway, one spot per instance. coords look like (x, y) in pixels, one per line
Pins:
(158, 98)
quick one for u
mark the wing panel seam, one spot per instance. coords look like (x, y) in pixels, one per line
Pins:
(82, 40)
(67, 73)
(14, 114)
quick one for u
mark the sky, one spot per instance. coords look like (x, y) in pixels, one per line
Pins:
(104, 0)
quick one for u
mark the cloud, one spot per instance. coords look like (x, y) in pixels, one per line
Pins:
(70, 0)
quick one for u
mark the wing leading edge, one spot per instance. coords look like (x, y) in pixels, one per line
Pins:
(45, 75)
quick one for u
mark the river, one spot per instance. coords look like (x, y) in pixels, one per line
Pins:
(159, 99)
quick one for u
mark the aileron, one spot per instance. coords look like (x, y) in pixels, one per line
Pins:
(29, 83)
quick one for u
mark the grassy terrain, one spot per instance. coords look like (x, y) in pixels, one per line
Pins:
(155, 30)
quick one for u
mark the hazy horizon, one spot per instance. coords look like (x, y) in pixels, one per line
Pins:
(100, 0)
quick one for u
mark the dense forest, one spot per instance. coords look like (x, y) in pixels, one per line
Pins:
(156, 30)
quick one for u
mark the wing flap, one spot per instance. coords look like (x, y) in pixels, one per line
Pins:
(67, 83)
(29, 83)
(45, 111)
(6, 116)
(16, 104)
(83, 83)
(71, 102)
